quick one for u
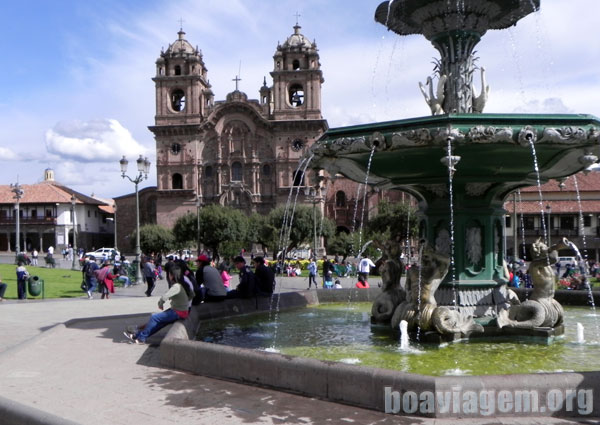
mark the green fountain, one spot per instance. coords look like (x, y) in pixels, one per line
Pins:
(460, 164)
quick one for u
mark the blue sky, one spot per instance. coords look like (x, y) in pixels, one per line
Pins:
(76, 88)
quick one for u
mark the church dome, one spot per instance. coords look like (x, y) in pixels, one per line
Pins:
(297, 39)
(180, 46)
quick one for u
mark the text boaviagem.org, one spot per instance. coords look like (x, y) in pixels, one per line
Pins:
(488, 402)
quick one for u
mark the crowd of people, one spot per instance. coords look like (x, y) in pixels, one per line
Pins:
(212, 284)
(207, 285)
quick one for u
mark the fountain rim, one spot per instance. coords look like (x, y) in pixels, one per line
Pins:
(334, 381)
(462, 120)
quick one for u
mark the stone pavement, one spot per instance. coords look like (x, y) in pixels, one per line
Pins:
(87, 372)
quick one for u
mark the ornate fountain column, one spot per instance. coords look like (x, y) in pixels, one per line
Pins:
(454, 28)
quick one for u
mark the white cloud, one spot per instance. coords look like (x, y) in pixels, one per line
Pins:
(100, 140)
(7, 154)
(552, 105)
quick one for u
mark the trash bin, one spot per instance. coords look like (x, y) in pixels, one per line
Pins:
(34, 286)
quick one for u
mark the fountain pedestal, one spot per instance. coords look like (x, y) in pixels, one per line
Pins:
(495, 160)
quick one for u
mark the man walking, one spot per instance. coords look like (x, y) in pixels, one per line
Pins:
(364, 267)
(149, 275)
(89, 271)
(312, 273)
(22, 276)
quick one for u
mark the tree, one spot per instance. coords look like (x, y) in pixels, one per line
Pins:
(392, 224)
(154, 238)
(185, 231)
(341, 244)
(262, 232)
(223, 229)
(302, 223)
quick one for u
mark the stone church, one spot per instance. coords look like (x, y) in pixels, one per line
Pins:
(239, 152)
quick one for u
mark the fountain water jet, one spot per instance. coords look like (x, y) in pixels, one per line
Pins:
(462, 207)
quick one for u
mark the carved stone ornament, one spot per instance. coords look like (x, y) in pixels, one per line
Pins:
(477, 189)
(440, 190)
(526, 135)
(443, 244)
(474, 245)
(418, 137)
(481, 134)
(563, 135)
(378, 140)
(594, 135)
(342, 145)
(449, 133)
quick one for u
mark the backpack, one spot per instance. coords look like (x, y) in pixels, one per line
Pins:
(101, 274)
(90, 270)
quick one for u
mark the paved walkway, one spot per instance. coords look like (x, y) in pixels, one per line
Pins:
(87, 372)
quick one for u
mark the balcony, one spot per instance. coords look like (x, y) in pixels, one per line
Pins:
(539, 231)
(28, 220)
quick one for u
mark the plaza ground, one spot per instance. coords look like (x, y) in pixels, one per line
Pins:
(86, 371)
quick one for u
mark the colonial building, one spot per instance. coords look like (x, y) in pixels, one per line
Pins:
(239, 152)
(559, 214)
(47, 217)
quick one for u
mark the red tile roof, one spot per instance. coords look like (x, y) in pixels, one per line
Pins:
(46, 192)
(588, 183)
(556, 207)
(109, 209)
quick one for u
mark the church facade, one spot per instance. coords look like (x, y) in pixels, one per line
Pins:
(238, 152)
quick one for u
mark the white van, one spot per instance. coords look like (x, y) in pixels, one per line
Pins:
(563, 261)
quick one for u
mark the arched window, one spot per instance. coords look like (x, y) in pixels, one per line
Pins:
(178, 100)
(340, 199)
(177, 181)
(298, 178)
(266, 170)
(208, 171)
(177, 70)
(296, 64)
(236, 172)
(296, 95)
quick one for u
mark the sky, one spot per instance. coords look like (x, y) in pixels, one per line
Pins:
(76, 90)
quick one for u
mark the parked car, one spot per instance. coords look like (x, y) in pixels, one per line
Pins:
(563, 261)
(184, 254)
(103, 253)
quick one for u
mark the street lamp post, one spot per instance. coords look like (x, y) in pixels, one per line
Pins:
(143, 165)
(548, 211)
(198, 205)
(115, 226)
(18, 191)
(75, 265)
(312, 193)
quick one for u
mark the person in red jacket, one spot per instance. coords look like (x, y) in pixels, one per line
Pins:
(362, 284)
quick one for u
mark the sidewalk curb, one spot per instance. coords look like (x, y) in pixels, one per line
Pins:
(15, 413)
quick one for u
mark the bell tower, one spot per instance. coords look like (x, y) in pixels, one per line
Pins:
(297, 79)
(183, 93)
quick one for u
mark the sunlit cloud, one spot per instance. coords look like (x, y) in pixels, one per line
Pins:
(100, 140)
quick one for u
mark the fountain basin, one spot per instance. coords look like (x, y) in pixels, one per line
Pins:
(361, 386)
(496, 158)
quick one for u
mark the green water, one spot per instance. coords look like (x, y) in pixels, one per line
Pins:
(342, 332)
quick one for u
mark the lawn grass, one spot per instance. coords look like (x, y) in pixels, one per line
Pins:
(58, 283)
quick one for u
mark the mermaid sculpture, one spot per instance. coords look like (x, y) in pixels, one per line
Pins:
(541, 309)
(392, 293)
(420, 308)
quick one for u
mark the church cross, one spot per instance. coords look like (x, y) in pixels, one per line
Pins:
(181, 21)
(237, 79)
(297, 15)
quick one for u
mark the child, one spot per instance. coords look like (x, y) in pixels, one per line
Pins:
(225, 276)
